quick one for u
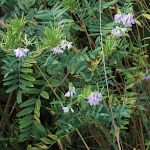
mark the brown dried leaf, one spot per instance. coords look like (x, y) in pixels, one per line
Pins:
(60, 144)
(3, 24)
(68, 138)
(33, 23)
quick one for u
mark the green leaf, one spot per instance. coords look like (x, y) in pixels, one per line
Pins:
(46, 141)
(28, 103)
(10, 82)
(25, 111)
(45, 94)
(38, 104)
(103, 114)
(67, 20)
(39, 126)
(27, 77)
(19, 97)
(84, 51)
(12, 89)
(38, 82)
(28, 117)
(25, 124)
(26, 65)
(25, 70)
(26, 129)
(31, 91)
(24, 134)
(53, 137)
(27, 83)
(87, 58)
(11, 77)
(22, 86)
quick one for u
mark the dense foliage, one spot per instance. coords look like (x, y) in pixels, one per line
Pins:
(74, 74)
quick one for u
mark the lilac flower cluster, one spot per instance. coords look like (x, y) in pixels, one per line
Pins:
(118, 31)
(57, 50)
(146, 77)
(21, 52)
(63, 45)
(94, 98)
(126, 19)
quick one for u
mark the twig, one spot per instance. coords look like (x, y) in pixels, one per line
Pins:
(9, 98)
(12, 110)
(62, 80)
(113, 121)
(82, 139)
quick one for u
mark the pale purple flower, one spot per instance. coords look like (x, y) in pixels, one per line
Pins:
(57, 50)
(20, 52)
(61, 24)
(66, 109)
(118, 18)
(25, 50)
(94, 98)
(71, 91)
(128, 20)
(146, 77)
(65, 44)
(118, 31)
(69, 45)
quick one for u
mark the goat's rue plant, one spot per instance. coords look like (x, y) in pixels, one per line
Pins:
(49, 71)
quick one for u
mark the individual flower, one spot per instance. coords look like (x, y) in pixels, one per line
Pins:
(128, 20)
(66, 109)
(118, 31)
(63, 44)
(61, 24)
(118, 18)
(94, 98)
(146, 77)
(71, 91)
(20, 52)
(57, 50)
(69, 45)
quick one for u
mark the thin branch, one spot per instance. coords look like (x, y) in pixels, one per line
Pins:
(113, 121)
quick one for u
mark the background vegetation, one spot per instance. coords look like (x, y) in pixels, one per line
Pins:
(33, 88)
